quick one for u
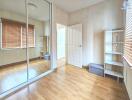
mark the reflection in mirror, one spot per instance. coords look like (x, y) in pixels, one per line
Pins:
(13, 63)
(38, 37)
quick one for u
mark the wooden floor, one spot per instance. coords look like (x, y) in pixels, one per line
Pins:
(61, 62)
(71, 83)
(14, 75)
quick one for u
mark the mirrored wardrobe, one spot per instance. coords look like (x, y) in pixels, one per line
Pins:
(24, 41)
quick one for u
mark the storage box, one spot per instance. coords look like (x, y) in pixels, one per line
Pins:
(96, 69)
(47, 56)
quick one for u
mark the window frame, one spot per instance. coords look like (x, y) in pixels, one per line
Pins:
(34, 33)
(21, 46)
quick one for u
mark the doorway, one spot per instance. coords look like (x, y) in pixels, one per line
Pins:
(61, 44)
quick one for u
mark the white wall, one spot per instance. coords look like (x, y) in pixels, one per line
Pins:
(16, 55)
(60, 16)
(95, 19)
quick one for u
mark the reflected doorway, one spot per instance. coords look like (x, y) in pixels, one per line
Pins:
(61, 44)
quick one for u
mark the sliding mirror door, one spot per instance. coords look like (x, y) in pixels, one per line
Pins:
(38, 37)
(24, 41)
(13, 60)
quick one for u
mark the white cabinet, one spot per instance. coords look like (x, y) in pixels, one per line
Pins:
(113, 53)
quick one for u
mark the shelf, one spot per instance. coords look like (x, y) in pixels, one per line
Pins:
(116, 53)
(114, 63)
(113, 51)
(117, 42)
(113, 73)
(116, 31)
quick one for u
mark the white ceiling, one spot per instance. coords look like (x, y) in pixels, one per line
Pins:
(73, 5)
(41, 12)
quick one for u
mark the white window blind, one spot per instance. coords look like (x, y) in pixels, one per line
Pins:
(128, 34)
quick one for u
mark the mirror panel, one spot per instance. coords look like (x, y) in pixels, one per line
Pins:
(23, 56)
(13, 63)
(38, 37)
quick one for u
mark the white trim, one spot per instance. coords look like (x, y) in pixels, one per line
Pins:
(13, 90)
(21, 37)
(16, 48)
(1, 33)
(27, 49)
(130, 64)
(34, 37)
(51, 35)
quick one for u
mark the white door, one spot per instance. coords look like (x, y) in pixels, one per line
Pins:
(74, 45)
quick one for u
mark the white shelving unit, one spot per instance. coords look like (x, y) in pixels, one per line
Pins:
(113, 53)
(114, 73)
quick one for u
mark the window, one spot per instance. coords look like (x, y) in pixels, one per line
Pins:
(128, 34)
(14, 34)
(31, 37)
(11, 34)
